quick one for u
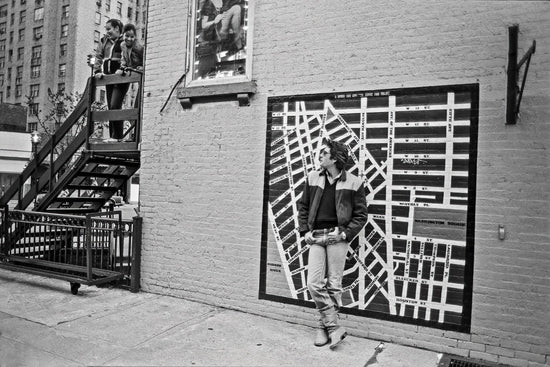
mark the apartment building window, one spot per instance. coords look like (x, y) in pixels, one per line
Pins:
(35, 71)
(63, 49)
(119, 8)
(36, 57)
(61, 87)
(108, 5)
(102, 96)
(8, 91)
(130, 12)
(11, 37)
(18, 90)
(38, 2)
(20, 53)
(2, 27)
(64, 30)
(3, 11)
(2, 98)
(1, 80)
(37, 32)
(21, 34)
(62, 70)
(35, 90)
(65, 11)
(38, 14)
(2, 45)
(12, 18)
(33, 111)
(32, 126)
(19, 75)
(23, 2)
(97, 18)
(97, 37)
(2, 62)
(9, 75)
(10, 55)
(22, 16)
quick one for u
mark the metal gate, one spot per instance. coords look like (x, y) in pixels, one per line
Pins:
(94, 249)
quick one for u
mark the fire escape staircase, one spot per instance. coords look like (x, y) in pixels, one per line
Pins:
(75, 173)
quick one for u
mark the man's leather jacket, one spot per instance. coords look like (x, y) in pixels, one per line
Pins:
(351, 204)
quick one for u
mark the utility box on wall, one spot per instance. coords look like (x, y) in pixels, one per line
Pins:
(218, 194)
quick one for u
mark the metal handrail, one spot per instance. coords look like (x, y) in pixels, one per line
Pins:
(45, 151)
(128, 76)
(83, 108)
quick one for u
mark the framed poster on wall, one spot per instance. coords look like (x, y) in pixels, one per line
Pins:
(416, 150)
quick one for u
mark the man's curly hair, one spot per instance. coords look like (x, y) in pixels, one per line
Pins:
(339, 152)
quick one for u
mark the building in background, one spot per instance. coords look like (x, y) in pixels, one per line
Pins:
(15, 143)
(44, 44)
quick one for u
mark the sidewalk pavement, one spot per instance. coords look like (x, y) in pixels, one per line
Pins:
(43, 324)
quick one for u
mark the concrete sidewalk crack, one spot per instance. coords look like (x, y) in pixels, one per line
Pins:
(191, 322)
(103, 313)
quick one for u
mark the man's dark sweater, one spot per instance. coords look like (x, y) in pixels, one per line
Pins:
(326, 215)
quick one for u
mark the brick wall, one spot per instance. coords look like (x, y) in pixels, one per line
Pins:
(203, 169)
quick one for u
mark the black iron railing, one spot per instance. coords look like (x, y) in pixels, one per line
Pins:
(92, 249)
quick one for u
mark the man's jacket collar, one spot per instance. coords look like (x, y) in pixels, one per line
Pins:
(323, 172)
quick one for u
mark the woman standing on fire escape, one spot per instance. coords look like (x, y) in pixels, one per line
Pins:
(108, 59)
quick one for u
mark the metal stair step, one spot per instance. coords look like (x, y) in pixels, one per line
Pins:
(80, 199)
(92, 187)
(115, 161)
(70, 210)
(103, 175)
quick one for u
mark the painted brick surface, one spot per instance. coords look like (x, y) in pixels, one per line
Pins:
(202, 172)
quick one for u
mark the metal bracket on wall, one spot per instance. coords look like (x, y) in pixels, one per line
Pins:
(513, 92)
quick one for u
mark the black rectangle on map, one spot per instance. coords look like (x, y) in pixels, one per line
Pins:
(460, 165)
(429, 115)
(461, 148)
(419, 148)
(373, 102)
(462, 114)
(346, 103)
(421, 99)
(459, 181)
(377, 117)
(417, 180)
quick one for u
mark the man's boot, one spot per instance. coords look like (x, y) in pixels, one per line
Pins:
(321, 335)
(336, 332)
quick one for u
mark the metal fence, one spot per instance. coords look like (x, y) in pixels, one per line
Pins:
(92, 249)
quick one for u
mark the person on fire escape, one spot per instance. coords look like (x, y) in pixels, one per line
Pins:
(108, 58)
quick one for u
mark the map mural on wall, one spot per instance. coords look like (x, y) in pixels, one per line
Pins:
(416, 152)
